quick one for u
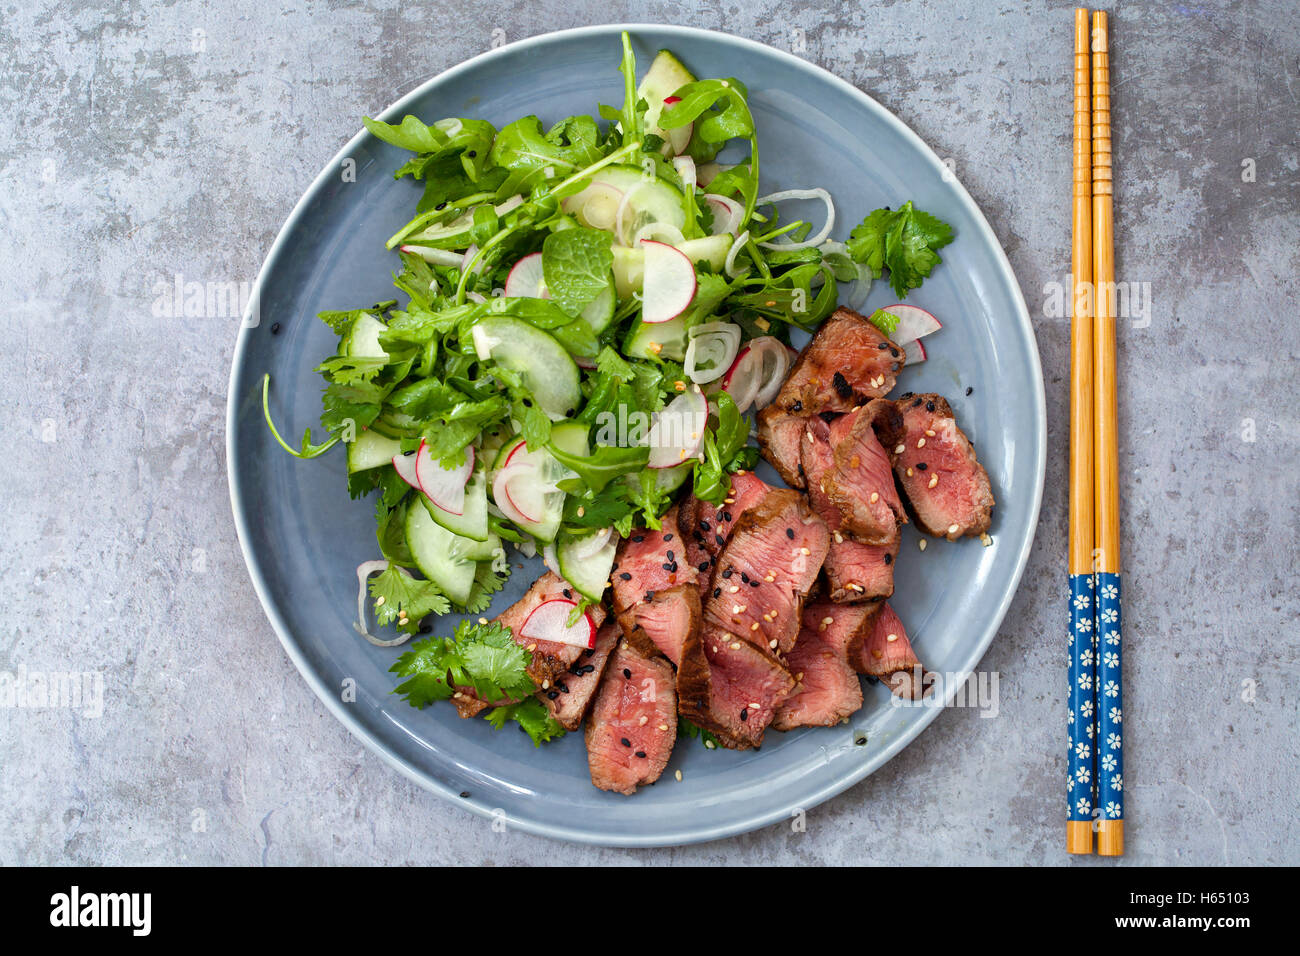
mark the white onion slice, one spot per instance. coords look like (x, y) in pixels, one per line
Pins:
(588, 547)
(470, 253)
(715, 343)
(774, 362)
(814, 240)
(439, 257)
(730, 265)
(659, 232)
(551, 561)
(600, 205)
(475, 297)
(727, 213)
(364, 570)
(450, 126)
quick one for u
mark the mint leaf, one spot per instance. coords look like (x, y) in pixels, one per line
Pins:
(577, 264)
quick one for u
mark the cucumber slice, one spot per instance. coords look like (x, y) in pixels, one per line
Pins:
(473, 521)
(666, 479)
(629, 264)
(571, 437)
(370, 450)
(660, 340)
(434, 549)
(649, 199)
(362, 340)
(546, 368)
(510, 445)
(396, 424)
(665, 77)
(601, 311)
(477, 550)
(590, 574)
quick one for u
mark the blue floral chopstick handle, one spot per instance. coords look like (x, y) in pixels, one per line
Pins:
(1110, 699)
(1082, 718)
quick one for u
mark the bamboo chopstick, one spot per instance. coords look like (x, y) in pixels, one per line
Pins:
(1082, 668)
(1110, 762)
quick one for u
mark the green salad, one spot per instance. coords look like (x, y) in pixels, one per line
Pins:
(591, 309)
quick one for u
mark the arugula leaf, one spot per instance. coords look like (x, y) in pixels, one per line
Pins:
(721, 446)
(528, 153)
(904, 241)
(577, 264)
(533, 718)
(602, 466)
(633, 115)
(723, 105)
(402, 592)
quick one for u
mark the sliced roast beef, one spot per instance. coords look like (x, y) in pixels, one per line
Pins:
(571, 693)
(707, 527)
(946, 486)
(828, 689)
(550, 659)
(881, 649)
(656, 596)
(779, 437)
(731, 687)
(766, 570)
(861, 482)
(854, 571)
(848, 362)
(633, 721)
(662, 624)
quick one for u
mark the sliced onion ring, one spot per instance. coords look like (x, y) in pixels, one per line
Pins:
(714, 342)
(774, 362)
(814, 240)
(619, 232)
(730, 265)
(727, 213)
(659, 232)
(590, 546)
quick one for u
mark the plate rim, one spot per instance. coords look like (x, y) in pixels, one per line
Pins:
(680, 835)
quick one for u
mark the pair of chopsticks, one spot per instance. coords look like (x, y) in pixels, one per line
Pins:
(1095, 785)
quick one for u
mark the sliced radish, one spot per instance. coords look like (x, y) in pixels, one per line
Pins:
(444, 486)
(727, 213)
(526, 280)
(506, 502)
(405, 465)
(913, 352)
(679, 138)
(715, 345)
(677, 431)
(669, 285)
(549, 621)
(913, 323)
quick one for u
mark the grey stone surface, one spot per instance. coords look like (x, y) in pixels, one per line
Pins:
(141, 141)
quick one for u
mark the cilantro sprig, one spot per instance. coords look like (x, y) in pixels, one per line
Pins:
(905, 241)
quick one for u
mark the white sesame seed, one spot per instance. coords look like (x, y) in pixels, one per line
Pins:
(753, 706)
(642, 721)
(900, 449)
(828, 620)
(482, 620)
(930, 432)
(733, 589)
(545, 684)
(379, 601)
(738, 609)
(953, 529)
(804, 551)
(772, 643)
(754, 626)
(875, 496)
(920, 443)
(891, 638)
(921, 544)
(839, 538)
(679, 775)
(934, 480)
(909, 472)
(736, 646)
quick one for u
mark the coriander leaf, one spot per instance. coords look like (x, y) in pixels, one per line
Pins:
(577, 264)
(402, 592)
(356, 405)
(904, 241)
(533, 718)
(487, 582)
(688, 730)
(482, 656)
(350, 369)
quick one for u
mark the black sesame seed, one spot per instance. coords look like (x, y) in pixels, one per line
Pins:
(907, 395)
(528, 403)
(569, 412)
(917, 402)
(704, 526)
(441, 205)
(789, 533)
(744, 713)
(638, 538)
(728, 573)
(667, 567)
(625, 742)
(889, 559)
(744, 577)
(860, 740)
(721, 540)
(893, 352)
(753, 584)
(704, 566)
(668, 537)
(796, 407)
(471, 153)
(649, 596)
(625, 576)
(671, 557)
(883, 345)
(564, 688)
(568, 594)
(464, 794)
(275, 328)
(426, 628)
(627, 672)
(552, 694)
(969, 389)
(726, 516)
(641, 754)
(929, 406)
(717, 592)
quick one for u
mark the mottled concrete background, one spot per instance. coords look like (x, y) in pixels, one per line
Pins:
(139, 141)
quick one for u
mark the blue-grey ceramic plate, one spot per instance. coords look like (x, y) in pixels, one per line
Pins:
(303, 537)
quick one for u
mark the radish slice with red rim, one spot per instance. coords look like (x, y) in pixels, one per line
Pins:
(913, 323)
(501, 492)
(551, 561)
(549, 621)
(468, 257)
(913, 352)
(404, 464)
(711, 350)
(727, 213)
(526, 280)
(669, 284)
(444, 486)
(677, 431)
